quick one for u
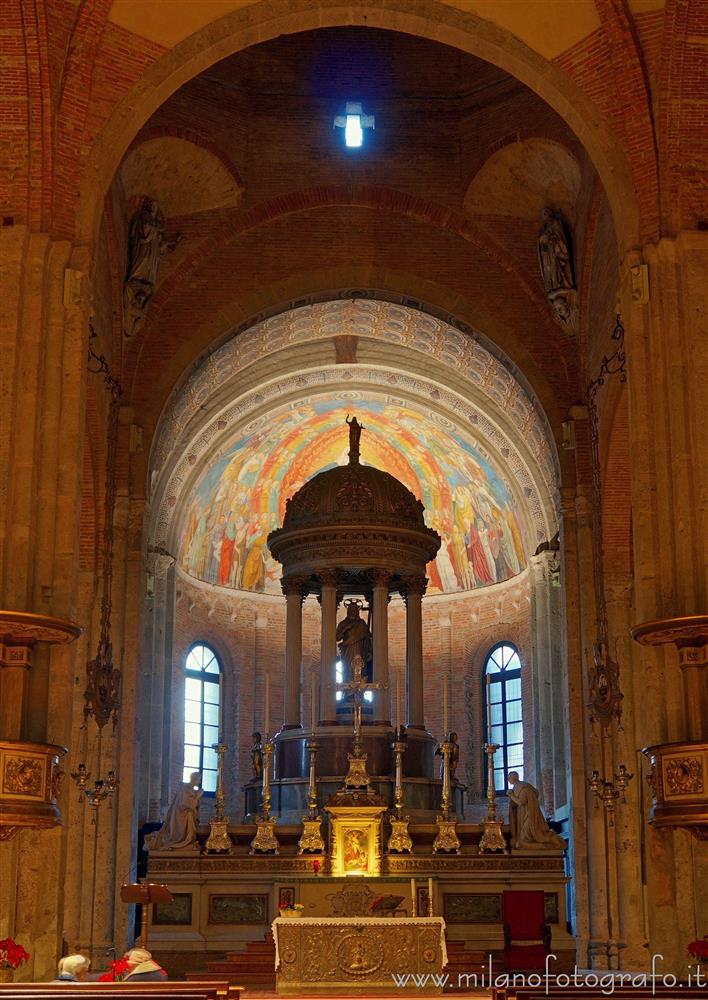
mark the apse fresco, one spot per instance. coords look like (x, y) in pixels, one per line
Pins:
(242, 497)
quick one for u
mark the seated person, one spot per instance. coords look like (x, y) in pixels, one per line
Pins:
(142, 968)
(72, 969)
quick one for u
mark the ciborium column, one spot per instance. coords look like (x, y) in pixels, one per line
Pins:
(293, 590)
(328, 647)
(382, 711)
(414, 590)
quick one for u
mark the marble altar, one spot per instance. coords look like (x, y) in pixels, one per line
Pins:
(319, 955)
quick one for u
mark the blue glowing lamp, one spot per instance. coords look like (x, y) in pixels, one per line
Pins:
(354, 121)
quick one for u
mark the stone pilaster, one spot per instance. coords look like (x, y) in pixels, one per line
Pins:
(664, 304)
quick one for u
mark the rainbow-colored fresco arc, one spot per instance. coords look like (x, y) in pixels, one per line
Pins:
(242, 497)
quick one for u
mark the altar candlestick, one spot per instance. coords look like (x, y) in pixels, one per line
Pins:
(313, 702)
(489, 709)
(266, 709)
(430, 897)
(413, 901)
(398, 701)
(446, 720)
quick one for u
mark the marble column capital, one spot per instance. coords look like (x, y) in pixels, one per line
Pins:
(327, 577)
(380, 578)
(295, 585)
(413, 584)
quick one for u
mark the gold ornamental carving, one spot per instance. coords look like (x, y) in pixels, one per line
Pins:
(493, 837)
(311, 840)
(24, 776)
(26, 628)
(355, 954)
(684, 775)
(218, 839)
(265, 841)
(30, 780)
(400, 839)
(684, 630)
(446, 840)
(678, 780)
(351, 902)
(359, 954)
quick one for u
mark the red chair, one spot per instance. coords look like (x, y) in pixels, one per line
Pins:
(527, 936)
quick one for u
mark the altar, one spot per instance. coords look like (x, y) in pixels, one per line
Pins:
(319, 955)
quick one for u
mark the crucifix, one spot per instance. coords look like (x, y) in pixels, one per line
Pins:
(357, 686)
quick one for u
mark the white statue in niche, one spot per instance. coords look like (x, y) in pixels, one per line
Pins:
(528, 825)
(179, 827)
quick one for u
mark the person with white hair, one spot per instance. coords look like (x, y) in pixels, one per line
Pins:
(72, 969)
(142, 968)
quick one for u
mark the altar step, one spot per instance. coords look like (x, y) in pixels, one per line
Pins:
(254, 966)
(463, 961)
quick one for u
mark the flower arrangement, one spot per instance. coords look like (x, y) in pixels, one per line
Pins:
(12, 954)
(291, 910)
(698, 949)
(116, 971)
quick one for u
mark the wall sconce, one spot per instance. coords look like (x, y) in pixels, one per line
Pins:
(608, 792)
(101, 789)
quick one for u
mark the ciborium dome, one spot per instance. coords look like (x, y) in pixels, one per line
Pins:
(356, 516)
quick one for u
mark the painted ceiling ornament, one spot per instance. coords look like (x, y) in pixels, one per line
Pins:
(147, 245)
(555, 261)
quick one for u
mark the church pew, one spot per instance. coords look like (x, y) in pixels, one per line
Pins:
(210, 990)
(624, 991)
(78, 991)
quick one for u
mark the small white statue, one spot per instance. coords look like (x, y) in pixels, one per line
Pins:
(528, 825)
(179, 827)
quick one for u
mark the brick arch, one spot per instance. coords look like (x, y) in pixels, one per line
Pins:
(359, 196)
(521, 134)
(149, 393)
(259, 23)
(192, 135)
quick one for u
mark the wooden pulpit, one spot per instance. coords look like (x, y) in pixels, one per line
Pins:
(143, 894)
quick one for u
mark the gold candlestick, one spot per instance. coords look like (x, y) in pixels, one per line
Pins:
(399, 748)
(446, 750)
(446, 840)
(312, 746)
(311, 838)
(492, 837)
(265, 841)
(400, 839)
(218, 839)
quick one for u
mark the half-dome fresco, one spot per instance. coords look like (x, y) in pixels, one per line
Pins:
(242, 495)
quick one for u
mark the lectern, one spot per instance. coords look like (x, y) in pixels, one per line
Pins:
(143, 894)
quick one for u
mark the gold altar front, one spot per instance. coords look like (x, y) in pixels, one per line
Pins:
(321, 955)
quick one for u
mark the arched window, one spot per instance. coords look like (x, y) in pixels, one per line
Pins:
(202, 704)
(502, 674)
